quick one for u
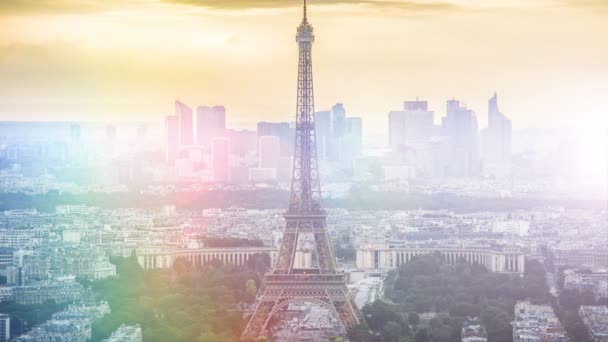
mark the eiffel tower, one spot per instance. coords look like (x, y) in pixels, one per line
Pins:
(323, 285)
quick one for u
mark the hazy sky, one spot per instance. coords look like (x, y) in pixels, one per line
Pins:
(110, 60)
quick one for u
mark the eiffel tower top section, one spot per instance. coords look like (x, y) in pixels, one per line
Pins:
(305, 197)
(305, 34)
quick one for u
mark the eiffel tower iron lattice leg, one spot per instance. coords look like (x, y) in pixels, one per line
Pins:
(327, 291)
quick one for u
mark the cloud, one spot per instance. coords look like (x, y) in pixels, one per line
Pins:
(588, 3)
(267, 4)
(19, 7)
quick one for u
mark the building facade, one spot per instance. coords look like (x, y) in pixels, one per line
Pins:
(5, 328)
(210, 123)
(184, 114)
(595, 319)
(536, 323)
(386, 257)
(126, 333)
(162, 257)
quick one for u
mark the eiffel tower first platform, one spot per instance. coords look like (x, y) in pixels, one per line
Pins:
(323, 285)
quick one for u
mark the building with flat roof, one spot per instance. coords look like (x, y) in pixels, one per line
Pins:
(126, 333)
(390, 256)
(5, 327)
(596, 321)
(163, 257)
(473, 331)
(72, 324)
(536, 323)
(38, 293)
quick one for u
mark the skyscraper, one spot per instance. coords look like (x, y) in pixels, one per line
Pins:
(352, 142)
(243, 143)
(220, 154)
(460, 125)
(184, 114)
(411, 125)
(269, 152)
(210, 123)
(334, 140)
(338, 120)
(282, 130)
(172, 135)
(496, 139)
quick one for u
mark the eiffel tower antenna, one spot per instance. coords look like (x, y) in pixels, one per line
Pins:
(323, 284)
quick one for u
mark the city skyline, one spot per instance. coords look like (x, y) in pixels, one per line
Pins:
(536, 65)
(379, 208)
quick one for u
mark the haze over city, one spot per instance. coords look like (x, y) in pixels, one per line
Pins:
(126, 60)
(303, 171)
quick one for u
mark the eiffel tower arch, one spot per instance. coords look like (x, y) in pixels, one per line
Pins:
(324, 284)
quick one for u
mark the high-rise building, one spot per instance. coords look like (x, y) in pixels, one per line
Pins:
(352, 142)
(282, 130)
(210, 123)
(5, 328)
(411, 125)
(220, 154)
(337, 130)
(496, 139)
(460, 125)
(338, 120)
(172, 134)
(184, 114)
(242, 142)
(269, 152)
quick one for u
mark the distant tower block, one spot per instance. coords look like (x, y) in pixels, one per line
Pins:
(269, 152)
(184, 114)
(322, 284)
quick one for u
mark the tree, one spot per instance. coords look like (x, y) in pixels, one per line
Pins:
(422, 335)
(209, 336)
(183, 304)
(181, 266)
(391, 332)
(216, 263)
(577, 331)
(251, 290)
(413, 318)
(427, 283)
(360, 333)
(498, 324)
(464, 310)
(379, 313)
(259, 263)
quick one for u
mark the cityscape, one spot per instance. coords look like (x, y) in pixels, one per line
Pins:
(429, 222)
